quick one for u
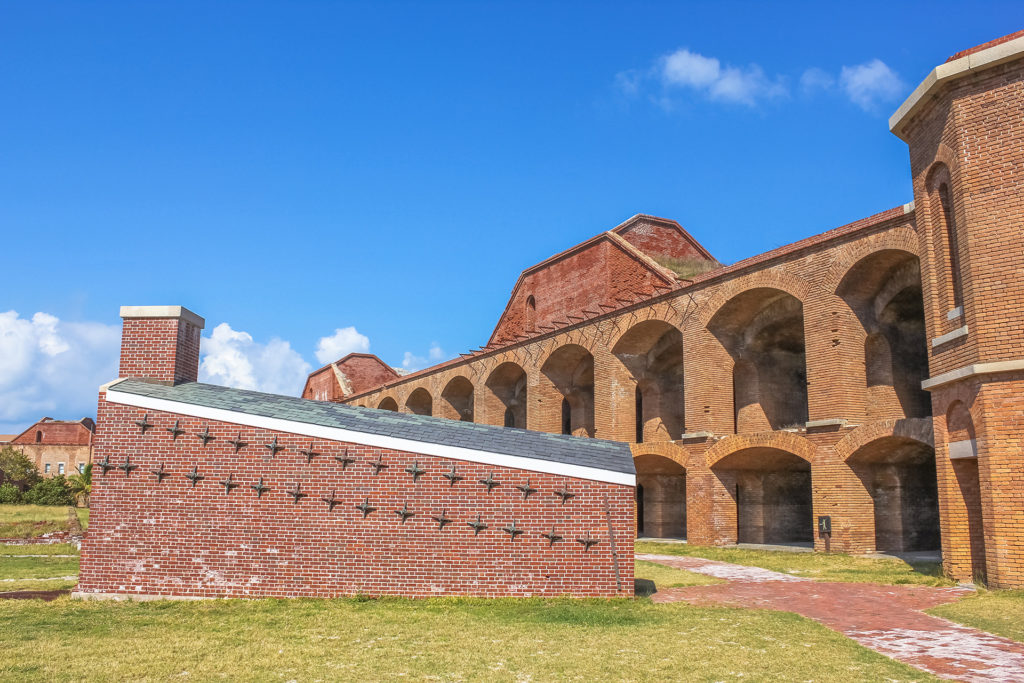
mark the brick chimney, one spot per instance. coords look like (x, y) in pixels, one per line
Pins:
(160, 343)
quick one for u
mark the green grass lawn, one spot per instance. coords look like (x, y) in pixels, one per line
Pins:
(37, 573)
(999, 612)
(29, 521)
(820, 566)
(452, 640)
(38, 549)
(652, 577)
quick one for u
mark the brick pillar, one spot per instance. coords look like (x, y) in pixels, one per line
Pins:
(160, 343)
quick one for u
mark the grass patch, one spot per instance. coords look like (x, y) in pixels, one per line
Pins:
(30, 521)
(454, 639)
(999, 612)
(819, 566)
(37, 567)
(651, 577)
(36, 585)
(38, 549)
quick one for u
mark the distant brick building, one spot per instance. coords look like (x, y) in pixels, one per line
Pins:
(57, 446)
(872, 374)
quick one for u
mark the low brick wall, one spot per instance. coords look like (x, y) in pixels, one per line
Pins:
(153, 535)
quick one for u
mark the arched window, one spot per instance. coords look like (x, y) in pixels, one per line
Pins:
(39, 436)
(531, 313)
(639, 400)
(510, 417)
(566, 417)
(953, 253)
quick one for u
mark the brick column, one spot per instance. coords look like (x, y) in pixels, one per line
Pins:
(160, 343)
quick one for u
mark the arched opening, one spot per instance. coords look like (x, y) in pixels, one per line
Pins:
(570, 369)
(771, 489)
(763, 331)
(531, 313)
(388, 403)
(457, 400)
(899, 473)
(962, 444)
(942, 214)
(652, 352)
(507, 394)
(661, 497)
(420, 402)
(884, 291)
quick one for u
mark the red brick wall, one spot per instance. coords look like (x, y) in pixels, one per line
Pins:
(169, 538)
(164, 349)
(599, 274)
(63, 433)
(661, 239)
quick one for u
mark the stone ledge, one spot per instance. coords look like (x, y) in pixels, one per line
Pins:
(972, 371)
(163, 312)
(949, 336)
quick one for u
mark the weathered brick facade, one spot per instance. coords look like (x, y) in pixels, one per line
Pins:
(57, 446)
(203, 491)
(761, 396)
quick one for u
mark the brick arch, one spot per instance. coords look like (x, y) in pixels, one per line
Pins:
(783, 441)
(666, 449)
(900, 239)
(766, 279)
(914, 428)
(626, 325)
(944, 156)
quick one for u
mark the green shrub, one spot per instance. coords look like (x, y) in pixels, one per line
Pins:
(18, 468)
(51, 491)
(9, 493)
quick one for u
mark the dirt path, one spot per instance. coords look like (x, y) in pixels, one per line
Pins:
(887, 619)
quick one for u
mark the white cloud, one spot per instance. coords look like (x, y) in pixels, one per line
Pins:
(738, 85)
(344, 341)
(232, 358)
(816, 79)
(411, 362)
(54, 368)
(870, 83)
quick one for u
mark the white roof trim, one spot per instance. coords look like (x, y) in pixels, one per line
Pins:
(950, 71)
(163, 312)
(376, 440)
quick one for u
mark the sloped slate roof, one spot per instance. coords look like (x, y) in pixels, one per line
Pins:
(611, 456)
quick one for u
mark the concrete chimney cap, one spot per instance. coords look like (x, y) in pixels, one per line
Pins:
(163, 312)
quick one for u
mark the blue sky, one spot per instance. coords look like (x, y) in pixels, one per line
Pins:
(288, 170)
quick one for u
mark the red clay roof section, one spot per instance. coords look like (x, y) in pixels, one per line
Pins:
(785, 250)
(984, 46)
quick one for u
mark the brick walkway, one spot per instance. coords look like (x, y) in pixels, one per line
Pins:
(887, 619)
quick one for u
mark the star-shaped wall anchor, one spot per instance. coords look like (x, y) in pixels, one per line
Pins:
(512, 530)
(552, 537)
(237, 442)
(260, 488)
(405, 513)
(205, 436)
(565, 494)
(345, 459)
(415, 470)
(296, 493)
(365, 508)
(489, 482)
(477, 525)
(587, 542)
(309, 453)
(273, 447)
(106, 465)
(331, 501)
(229, 484)
(144, 423)
(452, 477)
(127, 466)
(526, 489)
(378, 464)
(160, 473)
(441, 519)
(176, 430)
(194, 476)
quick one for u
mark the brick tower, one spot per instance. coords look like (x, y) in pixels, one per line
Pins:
(965, 129)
